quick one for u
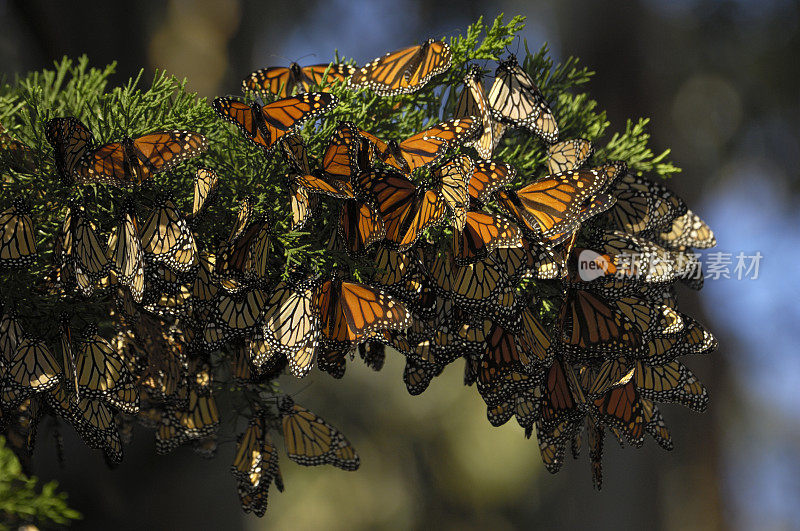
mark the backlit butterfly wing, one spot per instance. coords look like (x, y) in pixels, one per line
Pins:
(282, 81)
(70, 139)
(360, 226)
(489, 176)
(551, 206)
(303, 205)
(285, 115)
(405, 70)
(688, 231)
(311, 441)
(429, 146)
(134, 161)
(406, 209)
(350, 312)
(452, 178)
(291, 325)
(247, 117)
(515, 97)
(482, 234)
(472, 102)
(325, 74)
(82, 257)
(206, 183)
(166, 237)
(32, 369)
(126, 255)
(568, 155)
(17, 236)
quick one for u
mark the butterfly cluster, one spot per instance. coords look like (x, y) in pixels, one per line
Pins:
(555, 290)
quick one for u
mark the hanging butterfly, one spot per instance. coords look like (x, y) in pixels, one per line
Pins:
(70, 140)
(283, 81)
(304, 175)
(405, 70)
(291, 325)
(688, 231)
(472, 102)
(166, 237)
(350, 312)
(426, 147)
(134, 161)
(265, 125)
(489, 176)
(483, 233)
(406, 209)
(568, 155)
(515, 98)
(551, 206)
(451, 180)
(311, 441)
(360, 225)
(206, 183)
(82, 260)
(17, 235)
(643, 205)
(124, 252)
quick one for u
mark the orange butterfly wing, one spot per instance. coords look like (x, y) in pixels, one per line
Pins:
(481, 235)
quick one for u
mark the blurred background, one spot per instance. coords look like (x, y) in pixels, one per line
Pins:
(719, 80)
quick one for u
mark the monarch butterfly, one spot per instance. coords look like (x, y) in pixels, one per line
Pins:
(360, 225)
(92, 419)
(282, 81)
(265, 125)
(530, 260)
(201, 417)
(688, 231)
(482, 234)
(488, 176)
(342, 152)
(472, 102)
(70, 140)
(82, 258)
(303, 205)
(562, 402)
(568, 155)
(239, 312)
(451, 182)
(32, 369)
(20, 156)
(313, 181)
(311, 441)
(11, 334)
(125, 252)
(17, 236)
(135, 160)
(620, 407)
(551, 206)
(206, 183)
(406, 209)
(405, 70)
(255, 463)
(244, 257)
(418, 374)
(586, 320)
(102, 374)
(373, 353)
(166, 237)
(426, 147)
(642, 205)
(350, 312)
(291, 325)
(514, 97)
(477, 285)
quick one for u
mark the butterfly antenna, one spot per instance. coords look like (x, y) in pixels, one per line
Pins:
(306, 55)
